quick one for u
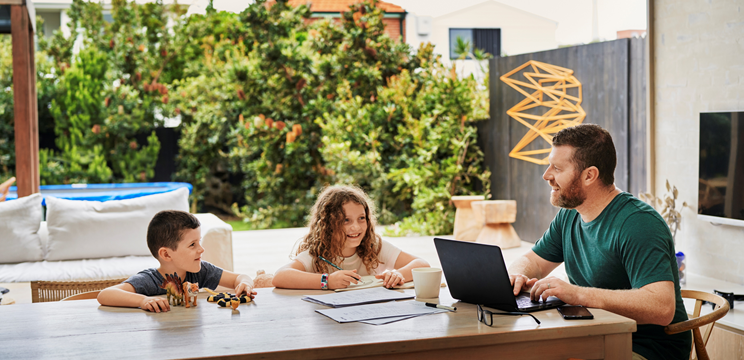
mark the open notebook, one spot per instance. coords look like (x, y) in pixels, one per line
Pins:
(369, 281)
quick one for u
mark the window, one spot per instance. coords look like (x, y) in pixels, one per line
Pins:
(488, 40)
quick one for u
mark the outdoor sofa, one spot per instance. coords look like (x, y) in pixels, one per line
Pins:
(84, 240)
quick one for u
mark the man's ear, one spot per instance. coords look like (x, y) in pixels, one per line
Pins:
(590, 175)
(164, 254)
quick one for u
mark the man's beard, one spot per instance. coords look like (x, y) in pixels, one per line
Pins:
(571, 196)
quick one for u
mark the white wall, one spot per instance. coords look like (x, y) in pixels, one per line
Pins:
(699, 66)
(521, 32)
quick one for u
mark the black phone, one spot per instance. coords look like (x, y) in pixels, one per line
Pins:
(571, 312)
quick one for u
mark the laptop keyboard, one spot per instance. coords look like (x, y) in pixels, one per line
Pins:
(525, 302)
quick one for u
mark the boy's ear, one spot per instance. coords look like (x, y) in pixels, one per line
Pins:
(164, 254)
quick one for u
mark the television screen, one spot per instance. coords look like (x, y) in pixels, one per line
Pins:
(721, 169)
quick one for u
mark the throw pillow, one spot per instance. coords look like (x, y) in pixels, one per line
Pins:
(19, 230)
(94, 229)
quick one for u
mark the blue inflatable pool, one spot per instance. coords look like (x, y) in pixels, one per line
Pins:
(104, 192)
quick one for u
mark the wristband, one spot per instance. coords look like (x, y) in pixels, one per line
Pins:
(324, 282)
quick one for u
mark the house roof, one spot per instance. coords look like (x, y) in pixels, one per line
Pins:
(319, 6)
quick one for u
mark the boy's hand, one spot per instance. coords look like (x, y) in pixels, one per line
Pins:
(155, 304)
(245, 288)
(391, 278)
(342, 279)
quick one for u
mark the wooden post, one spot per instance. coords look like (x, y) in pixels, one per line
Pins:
(24, 98)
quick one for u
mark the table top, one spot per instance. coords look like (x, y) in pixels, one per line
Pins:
(277, 324)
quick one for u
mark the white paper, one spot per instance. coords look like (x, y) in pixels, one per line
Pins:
(349, 298)
(379, 311)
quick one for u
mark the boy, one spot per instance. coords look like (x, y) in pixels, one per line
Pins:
(173, 238)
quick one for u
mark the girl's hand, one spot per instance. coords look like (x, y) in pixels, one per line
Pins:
(391, 278)
(245, 288)
(155, 304)
(342, 279)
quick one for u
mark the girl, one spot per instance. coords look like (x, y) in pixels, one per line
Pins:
(342, 245)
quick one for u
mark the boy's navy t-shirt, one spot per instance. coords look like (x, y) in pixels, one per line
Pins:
(147, 282)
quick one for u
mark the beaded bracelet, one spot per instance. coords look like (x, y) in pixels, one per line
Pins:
(324, 282)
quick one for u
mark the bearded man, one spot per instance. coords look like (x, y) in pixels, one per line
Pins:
(617, 250)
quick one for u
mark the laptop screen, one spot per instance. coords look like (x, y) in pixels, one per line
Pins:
(476, 273)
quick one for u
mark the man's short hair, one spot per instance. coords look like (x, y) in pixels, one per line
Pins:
(593, 146)
(166, 228)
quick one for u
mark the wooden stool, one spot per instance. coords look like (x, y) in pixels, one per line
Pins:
(467, 227)
(496, 216)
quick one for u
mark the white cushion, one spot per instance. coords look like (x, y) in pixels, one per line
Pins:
(76, 270)
(93, 229)
(19, 230)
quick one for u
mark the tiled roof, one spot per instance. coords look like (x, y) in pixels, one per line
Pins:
(343, 5)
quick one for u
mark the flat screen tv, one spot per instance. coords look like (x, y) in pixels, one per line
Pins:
(721, 168)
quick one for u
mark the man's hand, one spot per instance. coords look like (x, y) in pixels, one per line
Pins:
(553, 286)
(245, 288)
(521, 283)
(155, 304)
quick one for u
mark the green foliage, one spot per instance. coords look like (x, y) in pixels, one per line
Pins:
(293, 107)
(285, 105)
(111, 95)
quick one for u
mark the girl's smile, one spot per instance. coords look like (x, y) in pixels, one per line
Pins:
(355, 227)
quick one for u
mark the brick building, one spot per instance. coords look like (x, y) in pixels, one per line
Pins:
(394, 18)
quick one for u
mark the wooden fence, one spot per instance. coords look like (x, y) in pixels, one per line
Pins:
(613, 78)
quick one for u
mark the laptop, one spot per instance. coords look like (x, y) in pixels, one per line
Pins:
(476, 274)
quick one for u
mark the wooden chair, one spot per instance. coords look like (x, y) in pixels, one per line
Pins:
(83, 296)
(44, 291)
(697, 321)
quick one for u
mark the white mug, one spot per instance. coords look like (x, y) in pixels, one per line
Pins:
(427, 281)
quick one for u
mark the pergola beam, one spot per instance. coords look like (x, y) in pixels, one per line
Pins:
(24, 97)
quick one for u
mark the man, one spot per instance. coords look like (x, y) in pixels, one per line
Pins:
(618, 251)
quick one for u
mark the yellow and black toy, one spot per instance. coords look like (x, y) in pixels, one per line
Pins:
(226, 299)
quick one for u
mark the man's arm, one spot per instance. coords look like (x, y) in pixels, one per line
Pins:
(654, 303)
(526, 270)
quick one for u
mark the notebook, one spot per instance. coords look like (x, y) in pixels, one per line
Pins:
(476, 274)
(369, 281)
(351, 298)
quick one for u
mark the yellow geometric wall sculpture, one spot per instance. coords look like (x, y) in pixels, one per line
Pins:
(547, 87)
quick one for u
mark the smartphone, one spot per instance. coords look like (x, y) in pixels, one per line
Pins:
(570, 312)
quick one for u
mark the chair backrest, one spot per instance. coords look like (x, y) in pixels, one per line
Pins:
(83, 296)
(721, 308)
(44, 291)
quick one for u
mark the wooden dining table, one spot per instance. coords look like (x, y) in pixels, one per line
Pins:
(279, 325)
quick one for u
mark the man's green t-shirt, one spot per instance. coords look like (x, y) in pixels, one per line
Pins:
(627, 246)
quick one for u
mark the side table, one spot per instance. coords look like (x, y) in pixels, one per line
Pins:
(496, 217)
(467, 227)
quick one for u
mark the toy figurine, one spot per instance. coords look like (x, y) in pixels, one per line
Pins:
(190, 290)
(227, 299)
(173, 289)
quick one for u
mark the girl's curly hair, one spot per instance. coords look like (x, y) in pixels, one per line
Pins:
(327, 237)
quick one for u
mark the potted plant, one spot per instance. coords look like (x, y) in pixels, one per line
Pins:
(667, 208)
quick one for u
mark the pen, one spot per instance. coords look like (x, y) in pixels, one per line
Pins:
(334, 265)
(330, 263)
(450, 308)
